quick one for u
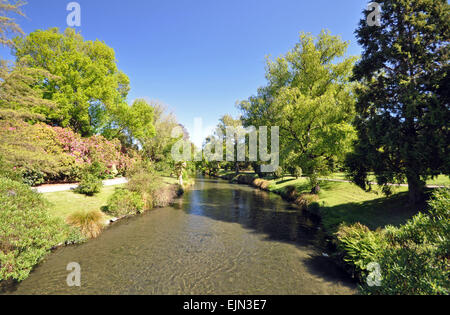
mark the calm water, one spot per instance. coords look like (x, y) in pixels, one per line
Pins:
(218, 239)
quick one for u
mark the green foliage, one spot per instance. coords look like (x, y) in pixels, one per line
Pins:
(402, 108)
(310, 97)
(413, 257)
(89, 185)
(279, 173)
(90, 223)
(41, 153)
(27, 232)
(298, 172)
(125, 202)
(145, 182)
(8, 24)
(88, 83)
(359, 246)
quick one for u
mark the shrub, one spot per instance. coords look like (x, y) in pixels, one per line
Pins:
(413, 258)
(304, 201)
(298, 172)
(90, 223)
(359, 247)
(89, 185)
(279, 172)
(58, 154)
(290, 193)
(125, 202)
(145, 183)
(164, 196)
(416, 260)
(27, 232)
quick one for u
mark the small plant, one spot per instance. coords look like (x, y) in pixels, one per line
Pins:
(125, 202)
(90, 223)
(89, 185)
(290, 193)
(304, 201)
(164, 196)
(279, 172)
(298, 172)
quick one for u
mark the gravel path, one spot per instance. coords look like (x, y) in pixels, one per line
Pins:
(66, 187)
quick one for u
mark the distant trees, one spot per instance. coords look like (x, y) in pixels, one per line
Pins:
(403, 96)
(310, 97)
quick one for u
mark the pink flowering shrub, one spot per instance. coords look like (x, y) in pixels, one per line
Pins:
(47, 154)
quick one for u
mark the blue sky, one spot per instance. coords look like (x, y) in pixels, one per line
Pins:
(198, 56)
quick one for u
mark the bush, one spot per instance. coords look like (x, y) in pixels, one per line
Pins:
(413, 257)
(290, 193)
(89, 185)
(164, 196)
(90, 223)
(145, 182)
(125, 202)
(279, 172)
(27, 232)
(43, 153)
(298, 172)
(305, 201)
(359, 247)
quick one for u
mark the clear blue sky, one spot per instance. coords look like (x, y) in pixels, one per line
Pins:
(198, 56)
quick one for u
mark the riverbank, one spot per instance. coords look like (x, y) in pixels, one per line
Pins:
(51, 216)
(337, 203)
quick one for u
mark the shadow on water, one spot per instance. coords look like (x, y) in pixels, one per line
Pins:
(267, 214)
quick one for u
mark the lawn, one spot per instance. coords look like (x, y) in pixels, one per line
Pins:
(65, 203)
(345, 202)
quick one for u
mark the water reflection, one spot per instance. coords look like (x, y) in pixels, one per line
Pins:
(218, 239)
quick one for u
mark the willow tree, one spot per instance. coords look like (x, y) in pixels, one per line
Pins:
(310, 98)
(403, 103)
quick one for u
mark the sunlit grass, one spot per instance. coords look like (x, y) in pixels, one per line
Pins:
(65, 203)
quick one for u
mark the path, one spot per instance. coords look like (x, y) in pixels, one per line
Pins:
(65, 187)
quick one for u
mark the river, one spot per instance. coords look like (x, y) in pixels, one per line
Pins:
(219, 238)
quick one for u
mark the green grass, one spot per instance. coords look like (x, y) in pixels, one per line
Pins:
(441, 180)
(345, 202)
(65, 203)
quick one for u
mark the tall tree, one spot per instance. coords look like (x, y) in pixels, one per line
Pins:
(131, 124)
(232, 132)
(8, 25)
(88, 82)
(22, 91)
(309, 97)
(403, 102)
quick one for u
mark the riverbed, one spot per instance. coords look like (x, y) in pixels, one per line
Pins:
(219, 238)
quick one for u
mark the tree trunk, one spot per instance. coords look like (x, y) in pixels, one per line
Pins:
(180, 179)
(415, 189)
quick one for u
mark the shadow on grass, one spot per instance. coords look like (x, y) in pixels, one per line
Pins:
(377, 213)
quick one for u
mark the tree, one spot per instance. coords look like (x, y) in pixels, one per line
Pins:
(7, 24)
(131, 123)
(88, 83)
(232, 132)
(22, 92)
(311, 100)
(403, 101)
(158, 147)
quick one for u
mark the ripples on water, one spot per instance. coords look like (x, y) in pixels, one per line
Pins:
(218, 239)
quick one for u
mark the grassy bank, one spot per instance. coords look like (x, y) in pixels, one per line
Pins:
(65, 203)
(341, 202)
